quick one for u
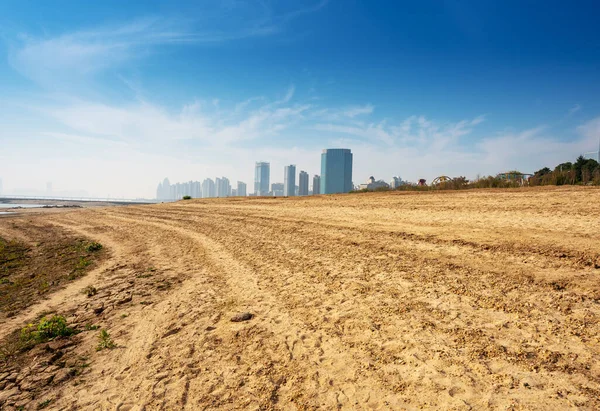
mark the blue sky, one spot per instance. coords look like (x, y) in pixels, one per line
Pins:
(110, 97)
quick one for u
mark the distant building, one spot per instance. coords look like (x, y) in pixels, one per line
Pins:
(0, 186)
(262, 176)
(223, 187)
(241, 189)
(336, 171)
(396, 182)
(197, 189)
(277, 189)
(316, 185)
(233, 192)
(372, 184)
(303, 183)
(289, 180)
(208, 188)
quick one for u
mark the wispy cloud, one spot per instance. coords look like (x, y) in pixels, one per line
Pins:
(143, 123)
(574, 109)
(415, 130)
(336, 114)
(67, 57)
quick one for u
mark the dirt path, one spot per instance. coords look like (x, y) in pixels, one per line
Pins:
(463, 300)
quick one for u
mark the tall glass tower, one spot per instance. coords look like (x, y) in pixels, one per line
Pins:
(262, 176)
(289, 180)
(336, 171)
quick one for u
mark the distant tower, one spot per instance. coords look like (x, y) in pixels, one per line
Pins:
(165, 193)
(223, 187)
(262, 175)
(208, 188)
(303, 183)
(336, 171)
(395, 182)
(49, 187)
(316, 188)
(289, 180)
(0, 186)
(241, 189)
(159, 192)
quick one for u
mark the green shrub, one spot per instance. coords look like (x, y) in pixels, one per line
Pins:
(47, 329)
(104, 341)
(187, 197)
(94, 246)
(90, 291)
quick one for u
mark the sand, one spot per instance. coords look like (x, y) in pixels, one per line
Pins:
(449, 300)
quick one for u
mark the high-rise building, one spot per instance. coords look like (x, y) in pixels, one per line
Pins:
(289, 180)
(223, 187)
(396, 182)
(316, 188)
(336, 171)
(208, 188)
(241, 189)
(163, 191)
(303, 183)
(262, 176)
(277, 189)
(0, 186)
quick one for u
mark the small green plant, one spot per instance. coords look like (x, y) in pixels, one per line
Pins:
(90, 291)
(90, 327)
(47, 329)
(94, 246)
(43, 404)
(187, 197)
(82, 263)
(104, 341)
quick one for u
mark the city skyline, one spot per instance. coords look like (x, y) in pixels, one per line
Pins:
(339, 180)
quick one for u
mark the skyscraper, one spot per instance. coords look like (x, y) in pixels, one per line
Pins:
(208, 188)
(163, 191)
(303, 183)
(241, 189)
(289, 180)
(336, 171)
(223, 187)
(262, 176)
(316, 188)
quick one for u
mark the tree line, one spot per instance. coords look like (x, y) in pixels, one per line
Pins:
(584, 171)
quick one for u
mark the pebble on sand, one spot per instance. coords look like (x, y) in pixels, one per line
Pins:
(242, 317)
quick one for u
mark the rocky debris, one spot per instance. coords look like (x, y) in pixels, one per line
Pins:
(98, 309)
(32, 382)
(124, 298)
(6, 394)
(63, 375)
(242, 317)
(171, 332)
